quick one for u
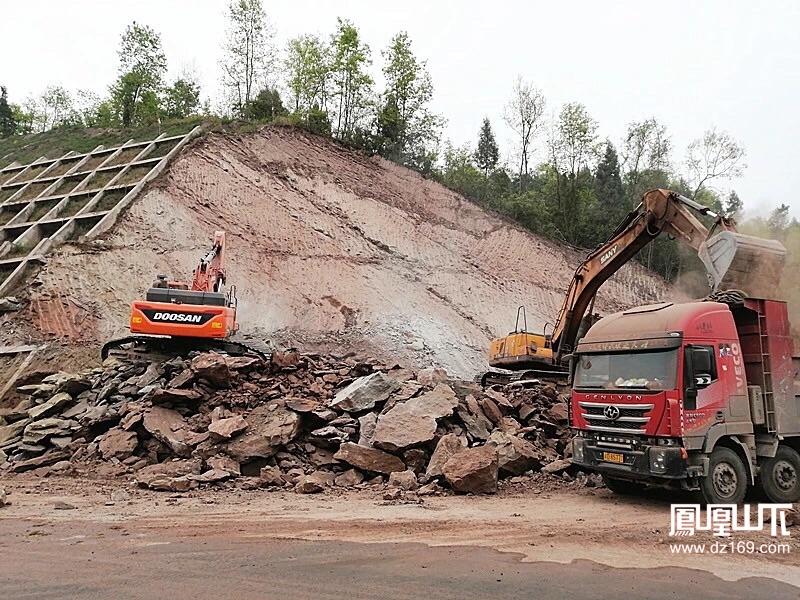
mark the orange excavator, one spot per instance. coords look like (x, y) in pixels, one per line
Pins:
(734, 261)
(176, 318)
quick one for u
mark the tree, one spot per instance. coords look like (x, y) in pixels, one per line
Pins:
(142, 65)
(182, 98)
(249, 51)
(645, 157)
(524, 114)
(488, 154)
(308, 73)
(23, 118)
(265, 106)
(778, 221)
(459, 171)
(351, 82)
(8, 125)
(573, 149)
(716, 155)
(734, 205)
(610, 193)
(408, 130)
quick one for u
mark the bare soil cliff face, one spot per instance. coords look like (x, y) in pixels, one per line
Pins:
(330, 249)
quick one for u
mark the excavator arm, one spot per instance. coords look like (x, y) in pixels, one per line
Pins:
(209, 275)
(661, 211)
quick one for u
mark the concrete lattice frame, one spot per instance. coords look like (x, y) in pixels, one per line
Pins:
(75, 197)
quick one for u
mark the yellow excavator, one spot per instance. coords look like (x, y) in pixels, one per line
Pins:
(733, 261)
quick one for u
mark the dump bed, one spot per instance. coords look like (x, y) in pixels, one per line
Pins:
(769, 361)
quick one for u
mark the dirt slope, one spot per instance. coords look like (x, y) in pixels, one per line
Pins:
(329, 247)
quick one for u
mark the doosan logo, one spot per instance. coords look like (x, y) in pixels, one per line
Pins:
(180, 317)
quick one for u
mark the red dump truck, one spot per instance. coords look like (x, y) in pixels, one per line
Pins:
(698, 395)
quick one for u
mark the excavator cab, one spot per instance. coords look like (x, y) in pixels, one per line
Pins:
(520, 349)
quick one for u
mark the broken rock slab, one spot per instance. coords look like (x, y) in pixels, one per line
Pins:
(213, 368)
(406, 480)
(431, 376)
(118, 443)
(272, 476)
(449, 445)
(168, 427)
(366, 428)
(228, 428)
(349, 478)
(50, 407)
(515, 455)
(365, 392)
(369, 459)
(414, 421)
(275, 422)
(557, 466)
(38, 431)
(475, 470)
(160, 396)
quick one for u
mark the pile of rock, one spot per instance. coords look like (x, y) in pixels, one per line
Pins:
(302, 421)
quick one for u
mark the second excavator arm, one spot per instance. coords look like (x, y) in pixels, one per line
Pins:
(209, 275)
(661, 211)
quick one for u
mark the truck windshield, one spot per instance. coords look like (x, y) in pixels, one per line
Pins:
(657, 370)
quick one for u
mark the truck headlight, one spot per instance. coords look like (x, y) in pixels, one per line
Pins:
(658, 460)
(577, 450)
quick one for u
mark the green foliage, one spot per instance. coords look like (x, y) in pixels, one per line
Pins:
(406, 130)
(181, 99)
(352, 83)
(142, 65)
(460, 173)
(308, 73)
(265, 106)
(612, 203)
(249, 52)
(488, 153)
(8, 124)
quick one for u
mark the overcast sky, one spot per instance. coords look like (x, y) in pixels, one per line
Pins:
(691, 64)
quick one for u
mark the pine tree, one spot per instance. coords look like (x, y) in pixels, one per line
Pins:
(487, 154)
(610, 193)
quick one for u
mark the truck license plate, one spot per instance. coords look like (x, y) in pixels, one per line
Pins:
(612, 457)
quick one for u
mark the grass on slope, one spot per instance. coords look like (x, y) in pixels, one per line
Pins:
(26, 149)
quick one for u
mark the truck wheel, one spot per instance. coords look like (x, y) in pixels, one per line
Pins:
(623, 487)
(726, 482)
(780, 476)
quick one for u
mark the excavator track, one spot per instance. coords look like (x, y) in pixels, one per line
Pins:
(154, 349)
(504, 378)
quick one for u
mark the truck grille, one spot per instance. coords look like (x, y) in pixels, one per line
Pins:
(631, 418)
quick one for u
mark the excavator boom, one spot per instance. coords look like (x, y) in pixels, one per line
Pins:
(733, 261)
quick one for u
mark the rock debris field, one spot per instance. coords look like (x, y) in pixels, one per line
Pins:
(300, 421)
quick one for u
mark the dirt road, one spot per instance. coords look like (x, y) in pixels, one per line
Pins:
(59, 539)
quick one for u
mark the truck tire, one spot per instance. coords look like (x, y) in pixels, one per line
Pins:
(726, 482)
(780, 476)
(623, 487)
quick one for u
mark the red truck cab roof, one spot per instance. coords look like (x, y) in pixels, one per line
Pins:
(658, 326)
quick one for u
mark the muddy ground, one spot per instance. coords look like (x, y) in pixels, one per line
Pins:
(68, 538)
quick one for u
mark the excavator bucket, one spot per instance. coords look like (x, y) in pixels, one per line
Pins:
(742, 262)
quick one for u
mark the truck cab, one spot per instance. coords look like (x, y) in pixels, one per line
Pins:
(697, 395)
